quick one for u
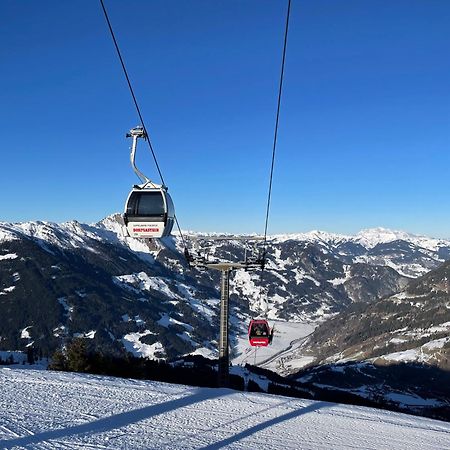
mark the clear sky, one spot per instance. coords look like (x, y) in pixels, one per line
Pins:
(364, 130)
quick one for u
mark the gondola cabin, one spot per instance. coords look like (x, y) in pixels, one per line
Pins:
(259, 333)
(149, 213)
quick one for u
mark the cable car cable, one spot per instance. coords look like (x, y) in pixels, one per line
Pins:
(116, 45)
(280, 91)
(136, 104)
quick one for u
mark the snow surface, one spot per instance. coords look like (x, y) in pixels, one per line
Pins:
(371, 237)
(67, 308)
(288, 336)
(5, 234)
(16, 276)
(368, 238)
(54, 410)
(166, 321)
(411, 400)
(422, 354)
(133, 344)
(88, 335)
(75, 235)
(25, 334)
(141, 281)
(8, 256)
(6, 290)
(18, 357)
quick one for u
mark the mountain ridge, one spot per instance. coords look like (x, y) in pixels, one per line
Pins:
(143, 292)
(369, 236)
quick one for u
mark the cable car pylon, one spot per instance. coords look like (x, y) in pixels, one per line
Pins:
(225, 267)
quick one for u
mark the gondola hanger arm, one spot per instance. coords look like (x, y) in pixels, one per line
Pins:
(136, 133)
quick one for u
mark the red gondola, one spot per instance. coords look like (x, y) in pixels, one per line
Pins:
(259, 333)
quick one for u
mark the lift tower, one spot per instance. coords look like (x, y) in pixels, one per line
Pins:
(225, 268)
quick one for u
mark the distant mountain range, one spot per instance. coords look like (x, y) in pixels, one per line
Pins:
(59, 281)
(379, 302)
(395, 351)
(413, 325)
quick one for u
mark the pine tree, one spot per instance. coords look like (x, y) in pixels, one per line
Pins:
(58, 362)
(78, 356)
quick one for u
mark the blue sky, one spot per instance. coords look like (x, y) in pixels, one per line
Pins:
(364, 130)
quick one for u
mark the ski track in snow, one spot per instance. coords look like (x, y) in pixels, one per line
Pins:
(54, 410)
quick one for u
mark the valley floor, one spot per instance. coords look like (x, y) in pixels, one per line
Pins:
(54, 410)
(278, 356)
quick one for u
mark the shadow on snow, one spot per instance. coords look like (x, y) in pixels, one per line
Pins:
(117, 420)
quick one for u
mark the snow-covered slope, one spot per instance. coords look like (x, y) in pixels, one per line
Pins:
(49, 410)
(58, 281)
(368, 238)
(412, 326)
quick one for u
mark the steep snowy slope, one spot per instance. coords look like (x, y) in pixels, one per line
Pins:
(69, 280)
(45, 410)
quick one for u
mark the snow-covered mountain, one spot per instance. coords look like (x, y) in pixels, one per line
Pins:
(58, 281)
(409, 254)
(394, 347)
(410, 326)
(53, 410)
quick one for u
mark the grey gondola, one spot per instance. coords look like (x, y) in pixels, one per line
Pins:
(149, 211)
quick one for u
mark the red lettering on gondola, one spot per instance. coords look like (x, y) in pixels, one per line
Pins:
(145, 230)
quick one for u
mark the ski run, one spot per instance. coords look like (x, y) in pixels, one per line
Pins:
(54, 410)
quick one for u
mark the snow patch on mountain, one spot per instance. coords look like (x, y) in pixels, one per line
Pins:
(7, 290)
(371, 237)
(166, 321)
(133, 344)
(411, 400)
(8, 256)
(25, 334)
(368, 238)
(422, 354)
(206, 308)
(65, 235)
(68, 309)
(88, 335)
(59, 331)
(407, 269)
(186, 336)
(315, 236)
(5, 233)
(245, 283)
(141, 281)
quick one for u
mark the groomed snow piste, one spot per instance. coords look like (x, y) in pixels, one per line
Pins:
(54, 410)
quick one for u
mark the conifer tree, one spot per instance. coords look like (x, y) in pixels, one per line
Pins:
(59, 361)
(78, 356)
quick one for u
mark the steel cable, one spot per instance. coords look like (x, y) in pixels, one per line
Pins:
(269, 195)
(136, 104)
